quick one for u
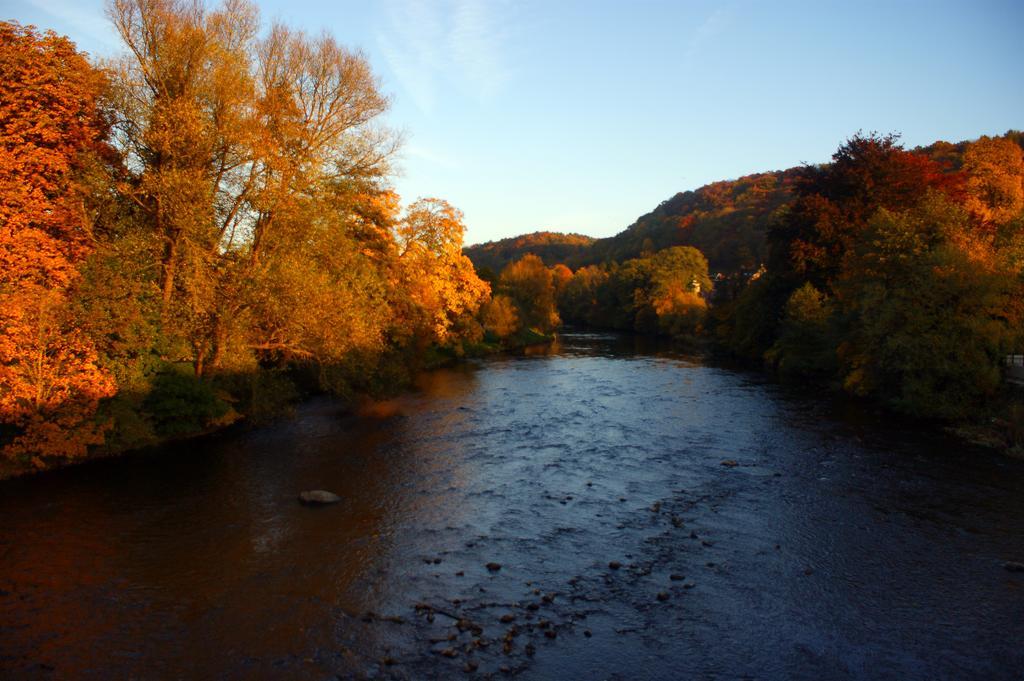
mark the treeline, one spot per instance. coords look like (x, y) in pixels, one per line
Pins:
(204, 229)
(664, 293)
(201, 230)
(895, 275)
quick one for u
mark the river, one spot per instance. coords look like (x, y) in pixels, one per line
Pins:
(653, 516)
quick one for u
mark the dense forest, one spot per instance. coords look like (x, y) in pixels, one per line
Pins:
(895, 275)
(205, 229)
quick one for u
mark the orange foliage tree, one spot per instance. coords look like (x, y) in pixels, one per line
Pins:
(995, 179)
(50, 385)
(439, 282)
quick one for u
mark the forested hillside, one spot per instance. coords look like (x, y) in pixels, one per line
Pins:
(728, 221)
(550, 247)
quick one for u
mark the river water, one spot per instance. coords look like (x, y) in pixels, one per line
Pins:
(839, 545)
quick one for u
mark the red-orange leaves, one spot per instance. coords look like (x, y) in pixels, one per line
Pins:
(50, 384)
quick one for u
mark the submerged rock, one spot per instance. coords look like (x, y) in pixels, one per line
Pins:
(318, 497)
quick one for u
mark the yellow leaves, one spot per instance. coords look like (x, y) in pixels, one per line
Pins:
(676, 300)
(500, 317)
(440, 282)
(995, 179)
(433, 224)
(531, 285)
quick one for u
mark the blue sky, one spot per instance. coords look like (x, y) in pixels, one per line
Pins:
(581, 116)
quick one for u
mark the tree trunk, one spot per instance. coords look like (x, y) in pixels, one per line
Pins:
(167, 273)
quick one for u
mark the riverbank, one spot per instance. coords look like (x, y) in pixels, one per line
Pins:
(217, 410)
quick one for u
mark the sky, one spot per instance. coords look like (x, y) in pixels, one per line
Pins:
(581, 116)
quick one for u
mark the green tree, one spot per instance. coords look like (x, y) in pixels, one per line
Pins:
(806, 348)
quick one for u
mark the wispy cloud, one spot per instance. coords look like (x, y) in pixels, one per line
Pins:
(458, 43)
(708, 30)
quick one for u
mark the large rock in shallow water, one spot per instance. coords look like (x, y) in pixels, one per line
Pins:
(318, 496)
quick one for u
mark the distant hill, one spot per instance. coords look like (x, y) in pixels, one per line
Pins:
(727, 221)
(551, 247)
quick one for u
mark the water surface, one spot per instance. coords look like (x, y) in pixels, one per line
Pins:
(837, 547)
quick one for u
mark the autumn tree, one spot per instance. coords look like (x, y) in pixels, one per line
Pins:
(929, 323)
(995, 179)
(560, 276)
(500, 317)
(530, 284)
(244, 153)
(580, 300)
(834, 202)
(438, 283)
(50, 385)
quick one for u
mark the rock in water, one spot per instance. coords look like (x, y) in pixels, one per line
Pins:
(318, 496)
(1013, 566)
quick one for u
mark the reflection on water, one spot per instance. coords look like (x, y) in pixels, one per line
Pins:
(835, 548)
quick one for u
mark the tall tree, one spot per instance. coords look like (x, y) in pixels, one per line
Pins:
(438, 283)
(234, 146)
(50, 385)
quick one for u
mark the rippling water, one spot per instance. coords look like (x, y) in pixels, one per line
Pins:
(837, 547)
